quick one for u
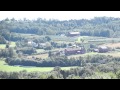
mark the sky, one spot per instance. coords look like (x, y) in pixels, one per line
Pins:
(59, 15)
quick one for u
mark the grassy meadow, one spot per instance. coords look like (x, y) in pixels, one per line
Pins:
(2, 46)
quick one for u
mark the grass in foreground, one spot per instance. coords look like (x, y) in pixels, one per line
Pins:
(7, 68)
(108, 75)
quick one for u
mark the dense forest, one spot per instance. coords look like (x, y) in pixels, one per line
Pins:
(99, 26)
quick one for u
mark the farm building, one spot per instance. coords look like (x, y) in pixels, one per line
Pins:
(72, 51)
(42, 44)
(72, 34)
(103, 49)
(33, 44)
(95, 50)
(57, 53)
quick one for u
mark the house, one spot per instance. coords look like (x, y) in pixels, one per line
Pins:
(95, 50)
(72, 34)
(42, 44)
(33, 44)
(72, 51)
(103, 49)
(62, 35)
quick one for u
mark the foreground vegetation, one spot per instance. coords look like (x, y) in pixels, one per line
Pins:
(90, 67)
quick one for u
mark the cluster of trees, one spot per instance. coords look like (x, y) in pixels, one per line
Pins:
(42, 39)
(16, 37)
(51, 45)
(50, 62)
(47, 45)
(99, 26)
(19, 75)
(2, 40)
(5, 34)
(86, 72)
(87, 68)
(59, 45)
(8, 52)
(63, 61)
(99, 32)
(56, 73)
(26, 50)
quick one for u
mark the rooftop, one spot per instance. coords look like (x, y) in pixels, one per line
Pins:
(71, 49)
(74, 32)
(103, 47)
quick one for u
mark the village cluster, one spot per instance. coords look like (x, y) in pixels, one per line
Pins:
(73, 49)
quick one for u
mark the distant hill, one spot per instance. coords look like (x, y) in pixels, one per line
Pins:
(99, 26)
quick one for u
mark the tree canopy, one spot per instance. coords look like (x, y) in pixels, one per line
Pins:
(99, 26)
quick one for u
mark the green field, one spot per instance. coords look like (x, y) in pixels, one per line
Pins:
(2, 46)
(40, 50)
(12, 44)
(7, 68)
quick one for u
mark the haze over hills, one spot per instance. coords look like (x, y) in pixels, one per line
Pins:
(59, 15)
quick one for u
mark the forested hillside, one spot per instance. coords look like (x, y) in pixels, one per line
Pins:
(99, 26)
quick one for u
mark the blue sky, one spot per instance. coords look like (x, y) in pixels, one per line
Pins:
(60, 15)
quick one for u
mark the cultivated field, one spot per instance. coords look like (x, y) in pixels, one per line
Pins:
(42, 56)
(112, 45)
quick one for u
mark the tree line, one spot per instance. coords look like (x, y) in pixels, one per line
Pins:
(99, 26)
(86, 68)
(8, 52)
(86, 72)
(63, 61)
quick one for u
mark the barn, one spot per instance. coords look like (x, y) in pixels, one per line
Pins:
(72, 34)
(72, 51)
(103, 49)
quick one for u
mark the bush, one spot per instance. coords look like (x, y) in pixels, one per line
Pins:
(51, 62)
(26, 50)
(2, 40)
